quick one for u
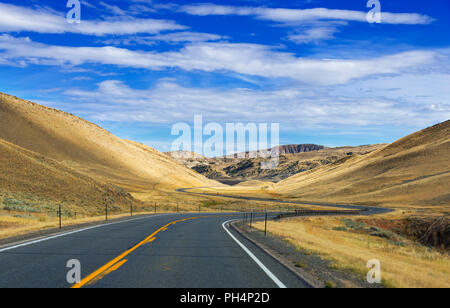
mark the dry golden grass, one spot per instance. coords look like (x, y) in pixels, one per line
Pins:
(411, 265)
(20, 224)
(256, 206)
(49, 157)
(31, 181)
(412, 172)
(88, 148)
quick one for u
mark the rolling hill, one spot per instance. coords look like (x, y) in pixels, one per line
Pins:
(50, 154)
(414, 171)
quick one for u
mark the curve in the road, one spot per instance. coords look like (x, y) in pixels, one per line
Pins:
(365, 210)
(162, 251)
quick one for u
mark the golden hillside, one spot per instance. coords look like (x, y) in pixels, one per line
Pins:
(31, 182)
(414, 171)
(88, 148)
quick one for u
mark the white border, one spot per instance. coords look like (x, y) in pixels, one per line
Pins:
(260, 264)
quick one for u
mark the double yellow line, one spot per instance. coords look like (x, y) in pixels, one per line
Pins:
(119, 261)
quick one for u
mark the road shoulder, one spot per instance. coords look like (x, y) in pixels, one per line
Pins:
(311, 268)
(42, 234)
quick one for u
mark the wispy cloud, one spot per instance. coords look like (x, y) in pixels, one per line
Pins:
(301, 15)
(168, 102)
(170, 38)
(247, 59)
(20, 19)
(312, 35)
(310, 25)
(113, 8)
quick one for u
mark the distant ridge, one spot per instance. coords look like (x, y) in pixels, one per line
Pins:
(299, 148)
(283, 150)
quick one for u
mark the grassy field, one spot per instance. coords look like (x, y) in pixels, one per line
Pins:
(351, 243)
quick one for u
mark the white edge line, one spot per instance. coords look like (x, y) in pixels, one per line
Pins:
(73, 232)
(260, 264)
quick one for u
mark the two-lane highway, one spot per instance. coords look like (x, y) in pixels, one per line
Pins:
(161, 251)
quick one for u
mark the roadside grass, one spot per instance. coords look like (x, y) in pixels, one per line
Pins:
(350, 244)
(167, 199)
(21, 214)
(21, 224)
(300, 264)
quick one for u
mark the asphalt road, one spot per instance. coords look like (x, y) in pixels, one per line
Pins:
(195, 252)
(365, 210)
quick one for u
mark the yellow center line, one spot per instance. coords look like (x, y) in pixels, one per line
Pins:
(111, 263)
(108, 271)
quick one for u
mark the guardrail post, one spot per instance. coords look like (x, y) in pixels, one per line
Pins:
(251, 220)
(265, 228)
(106, 211)
(59, 213)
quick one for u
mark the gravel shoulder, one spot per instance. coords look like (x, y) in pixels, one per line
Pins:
(317, 272)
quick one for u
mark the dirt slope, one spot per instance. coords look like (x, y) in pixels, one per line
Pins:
(413, 171)
(87, 148)
(32, 182)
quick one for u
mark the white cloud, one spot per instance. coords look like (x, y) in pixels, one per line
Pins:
(247, 59)
(311, 25)
(170, 38)
(312, 35)
(302, 15)
(19, 19)
(113, 8)
(428, 89)
(168, 103)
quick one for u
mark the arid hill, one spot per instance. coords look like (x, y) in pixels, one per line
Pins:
(51, 154)
(294, 159)
(414, 171)
(31, 182)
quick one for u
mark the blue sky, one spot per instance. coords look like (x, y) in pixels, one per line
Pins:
(316, 67)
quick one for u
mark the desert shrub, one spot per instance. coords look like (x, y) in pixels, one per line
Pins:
(354, 224)
(383, 234)
(339, 229)
(10, 204)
